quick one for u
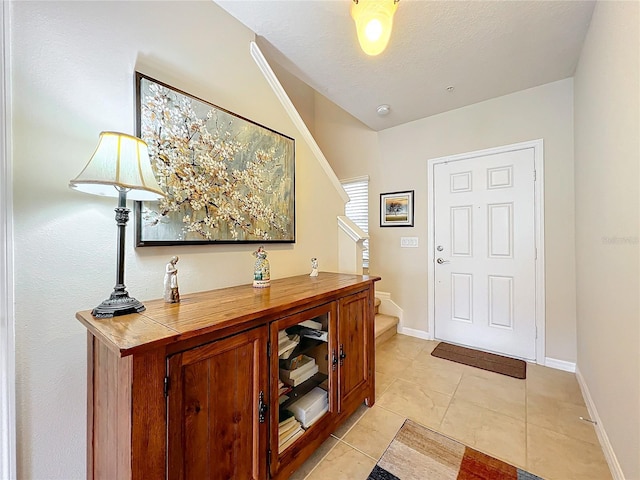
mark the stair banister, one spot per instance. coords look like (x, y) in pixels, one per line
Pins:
(350, 246)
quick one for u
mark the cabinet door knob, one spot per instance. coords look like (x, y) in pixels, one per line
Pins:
(334, 361)
(342, 354)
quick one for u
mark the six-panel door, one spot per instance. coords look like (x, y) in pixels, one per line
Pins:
(485, 270)
(217, 424)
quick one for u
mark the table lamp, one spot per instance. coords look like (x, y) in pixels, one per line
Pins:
(119, 167)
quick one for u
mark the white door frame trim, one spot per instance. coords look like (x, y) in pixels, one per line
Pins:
(8, 467)
(538, 148)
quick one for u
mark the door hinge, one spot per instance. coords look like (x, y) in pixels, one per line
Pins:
(535, 176)
(269, 458)
(536, 253)
(167, 386)
(268, 349)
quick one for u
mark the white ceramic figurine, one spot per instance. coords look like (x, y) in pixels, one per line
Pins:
(171, 294)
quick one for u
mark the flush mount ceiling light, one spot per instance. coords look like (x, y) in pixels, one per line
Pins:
(374, 21)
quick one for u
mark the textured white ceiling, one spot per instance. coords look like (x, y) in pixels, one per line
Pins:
(484, 49)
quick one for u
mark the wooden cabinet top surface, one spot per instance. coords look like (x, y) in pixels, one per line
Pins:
(201, 313)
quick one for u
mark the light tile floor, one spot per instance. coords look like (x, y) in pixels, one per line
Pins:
(533, 423)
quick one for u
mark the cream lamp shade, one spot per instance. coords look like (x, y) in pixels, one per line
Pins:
(120, 167)
(120, 161)
(374, 22)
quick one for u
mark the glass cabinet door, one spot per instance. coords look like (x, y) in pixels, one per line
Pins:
(304, 362)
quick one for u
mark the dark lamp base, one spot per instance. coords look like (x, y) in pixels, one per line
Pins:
(120, 303)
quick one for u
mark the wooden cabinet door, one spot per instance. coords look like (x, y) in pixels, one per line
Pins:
(216, 427)
(355, 344)
(285, 460)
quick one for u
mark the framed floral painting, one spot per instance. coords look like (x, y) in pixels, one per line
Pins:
(226, 179)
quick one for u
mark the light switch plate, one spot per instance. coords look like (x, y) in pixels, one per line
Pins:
(409, 242)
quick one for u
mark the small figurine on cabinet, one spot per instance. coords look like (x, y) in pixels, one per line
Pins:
(171, 294)
(314, 267)
(261, 271)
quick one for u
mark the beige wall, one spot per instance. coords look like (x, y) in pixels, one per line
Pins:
(301, 95)
(350, 146)
(72, 67)
(607, 157)
(396, 159)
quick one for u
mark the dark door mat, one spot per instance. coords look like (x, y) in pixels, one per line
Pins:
(486, 361)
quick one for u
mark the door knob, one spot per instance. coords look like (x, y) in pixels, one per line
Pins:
(442, 260)
(342, 355)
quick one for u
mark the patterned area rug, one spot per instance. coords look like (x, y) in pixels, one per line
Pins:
(418, 453)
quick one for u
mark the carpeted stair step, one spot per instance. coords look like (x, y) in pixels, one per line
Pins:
(386, 326)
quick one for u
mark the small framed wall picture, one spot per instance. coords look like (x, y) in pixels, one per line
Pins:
(396, 209)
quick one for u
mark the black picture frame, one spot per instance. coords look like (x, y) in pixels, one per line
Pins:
(226, 178)
(397, 209)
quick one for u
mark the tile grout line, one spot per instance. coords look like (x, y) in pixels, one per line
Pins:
(450, 402)
(339, 440)
(391, 411)
(358, 450)
(332, 448)
(354, 424)
(385, 390)
(322, 458)
(499, 411)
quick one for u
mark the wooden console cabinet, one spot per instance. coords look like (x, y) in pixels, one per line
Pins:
(192, 391)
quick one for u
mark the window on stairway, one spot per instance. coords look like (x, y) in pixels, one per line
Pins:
(357, 209)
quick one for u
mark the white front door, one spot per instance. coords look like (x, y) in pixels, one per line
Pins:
(484, 240)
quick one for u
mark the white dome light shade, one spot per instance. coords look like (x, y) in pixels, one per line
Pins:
(120, 161)
(374, 22)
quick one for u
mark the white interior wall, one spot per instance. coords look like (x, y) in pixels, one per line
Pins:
(396, 159)
(72, 67)
(607, 157)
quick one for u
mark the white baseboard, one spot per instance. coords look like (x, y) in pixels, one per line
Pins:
(389, 307)
(383, 295)
(609, 454)
(560, 364)
(412, 332)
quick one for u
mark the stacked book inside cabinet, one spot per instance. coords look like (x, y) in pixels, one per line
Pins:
(303, 378)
